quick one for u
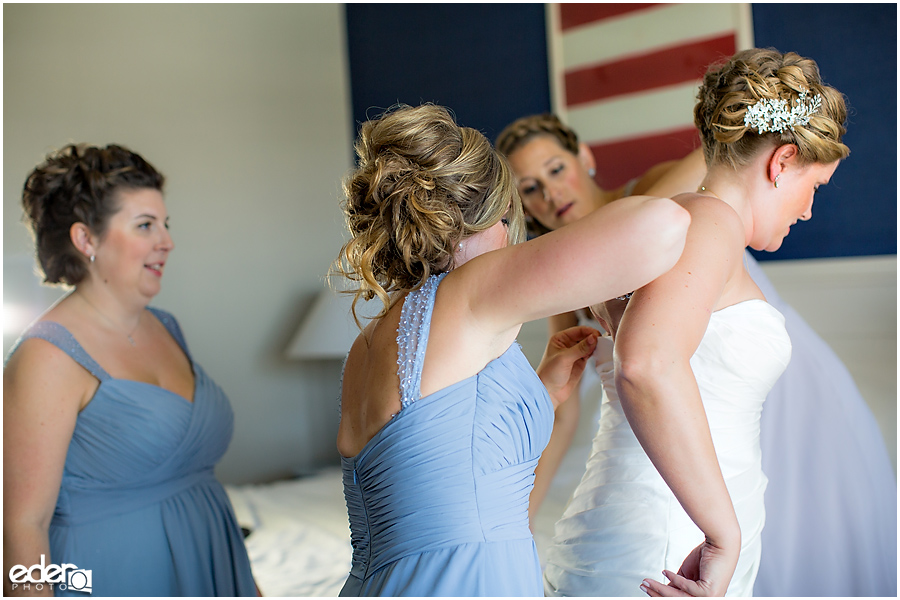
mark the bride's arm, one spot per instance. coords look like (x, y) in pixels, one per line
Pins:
(659, 332)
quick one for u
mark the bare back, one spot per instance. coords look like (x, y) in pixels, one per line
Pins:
(457, 348)
(370, 393)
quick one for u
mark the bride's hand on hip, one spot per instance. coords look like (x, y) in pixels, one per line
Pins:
(706, 571)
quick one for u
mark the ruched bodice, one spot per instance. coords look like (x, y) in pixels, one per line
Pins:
(138, 504)
(623, 524)
(438, 499)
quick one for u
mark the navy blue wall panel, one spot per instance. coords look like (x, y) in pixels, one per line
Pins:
(855, 46)
(488, 63)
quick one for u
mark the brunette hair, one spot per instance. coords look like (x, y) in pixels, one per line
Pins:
(78, 184)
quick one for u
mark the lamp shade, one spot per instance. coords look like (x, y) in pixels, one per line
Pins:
(328, 329)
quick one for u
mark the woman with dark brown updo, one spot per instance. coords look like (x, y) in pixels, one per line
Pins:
(442, 417)
(110, 429)
(675, 469)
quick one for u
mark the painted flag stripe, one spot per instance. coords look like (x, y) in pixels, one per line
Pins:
(659, 109)
(618, 162)
(573, 15)
(671, 66)
(626, 76)
(642, 32)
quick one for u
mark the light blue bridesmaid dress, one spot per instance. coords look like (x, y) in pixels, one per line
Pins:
(139, 505)
(438, 499)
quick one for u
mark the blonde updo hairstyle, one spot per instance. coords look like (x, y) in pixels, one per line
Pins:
(729, 89)
(422, 185)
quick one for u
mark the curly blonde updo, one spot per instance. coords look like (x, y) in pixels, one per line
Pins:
(729, 89)
(422, 184)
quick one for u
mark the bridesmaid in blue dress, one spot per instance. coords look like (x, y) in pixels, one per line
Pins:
(111, 431)
(442, 418)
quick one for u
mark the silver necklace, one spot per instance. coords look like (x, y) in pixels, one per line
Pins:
(108, 320)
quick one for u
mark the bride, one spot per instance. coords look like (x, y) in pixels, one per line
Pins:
(697, 351)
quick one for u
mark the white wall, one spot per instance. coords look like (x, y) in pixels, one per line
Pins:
(245, 109)
(852, 304)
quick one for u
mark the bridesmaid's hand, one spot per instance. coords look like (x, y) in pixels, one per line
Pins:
(706, 571)
(564, 361)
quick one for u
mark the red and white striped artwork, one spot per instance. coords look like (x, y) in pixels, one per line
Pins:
(625, 76)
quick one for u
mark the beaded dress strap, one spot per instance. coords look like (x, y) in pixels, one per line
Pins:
(174, 329)
(60, 337)
(412, 338)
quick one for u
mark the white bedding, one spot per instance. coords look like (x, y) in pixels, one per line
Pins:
(299, 543)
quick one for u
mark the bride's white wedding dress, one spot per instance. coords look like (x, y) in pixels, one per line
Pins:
(623, 524)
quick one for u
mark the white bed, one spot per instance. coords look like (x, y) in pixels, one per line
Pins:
(299, 541)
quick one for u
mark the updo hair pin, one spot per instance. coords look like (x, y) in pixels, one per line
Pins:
(773, 115)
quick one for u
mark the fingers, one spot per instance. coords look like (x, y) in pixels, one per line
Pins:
(684, 584)
(678, 586)
(656, 589)
(588, 344)
(573, 335)
(580, 343)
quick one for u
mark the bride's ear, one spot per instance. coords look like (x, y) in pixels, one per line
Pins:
(783, 158)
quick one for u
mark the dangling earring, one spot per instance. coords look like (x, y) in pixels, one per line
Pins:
(777, 177)
(591, 172)
(92, 258)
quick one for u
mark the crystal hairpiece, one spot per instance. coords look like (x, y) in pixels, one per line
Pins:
(774, 115)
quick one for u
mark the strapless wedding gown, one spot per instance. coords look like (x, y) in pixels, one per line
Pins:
(623, 524)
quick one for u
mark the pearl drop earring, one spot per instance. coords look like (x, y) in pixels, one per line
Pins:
(777, 177)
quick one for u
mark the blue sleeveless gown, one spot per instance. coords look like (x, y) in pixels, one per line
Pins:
(438, 499)
(139, 505)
